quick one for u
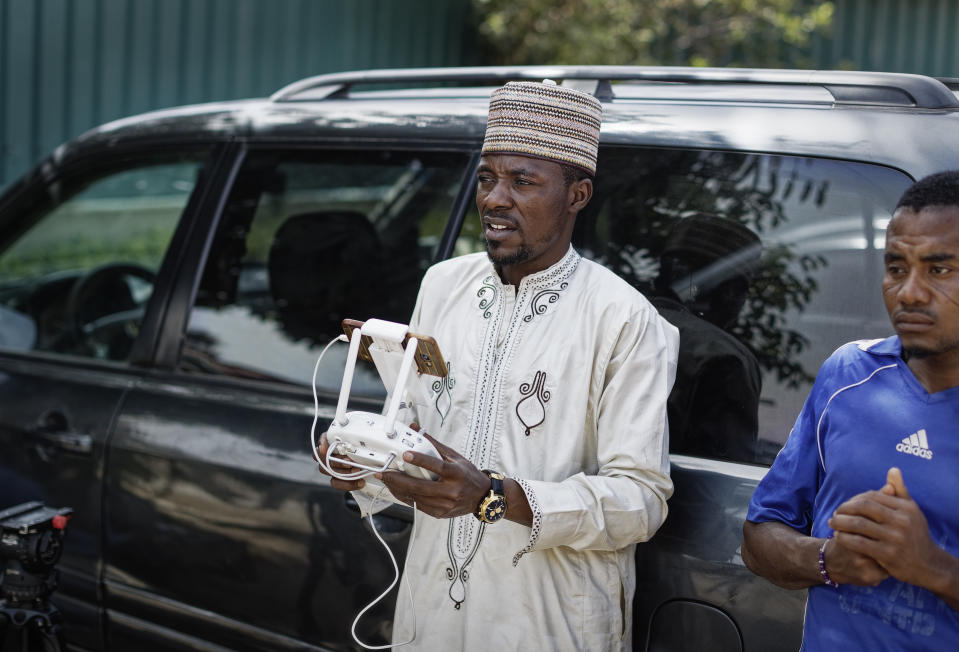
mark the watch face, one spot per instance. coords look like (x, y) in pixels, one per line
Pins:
(494, 509)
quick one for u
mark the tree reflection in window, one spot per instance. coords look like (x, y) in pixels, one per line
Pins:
(810, 215)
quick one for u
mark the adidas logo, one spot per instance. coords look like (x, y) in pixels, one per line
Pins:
(916, 444)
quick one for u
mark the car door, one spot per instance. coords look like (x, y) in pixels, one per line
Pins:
(80, 250)
(765, 264)
(219, 530)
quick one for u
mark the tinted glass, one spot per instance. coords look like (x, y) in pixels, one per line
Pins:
(81, 255)
(308, 239)
(766, 264)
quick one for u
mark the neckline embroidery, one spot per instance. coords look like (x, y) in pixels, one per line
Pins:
(488, 293)
(551, 295)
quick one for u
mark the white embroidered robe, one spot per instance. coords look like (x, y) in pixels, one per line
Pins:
(561, 384)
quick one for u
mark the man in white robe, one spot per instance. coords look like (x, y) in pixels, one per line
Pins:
(559, 376)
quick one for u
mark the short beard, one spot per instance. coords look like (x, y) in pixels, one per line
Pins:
(916, 354)
(521, 255)
(919, 353)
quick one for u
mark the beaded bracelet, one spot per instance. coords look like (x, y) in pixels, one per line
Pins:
(822, 566)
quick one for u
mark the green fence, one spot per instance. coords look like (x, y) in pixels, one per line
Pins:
(67, 65)
(916, 36)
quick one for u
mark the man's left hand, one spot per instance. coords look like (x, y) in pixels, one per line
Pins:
(888, 526)
(457, 491)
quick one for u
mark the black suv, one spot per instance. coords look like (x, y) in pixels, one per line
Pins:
(167, 281)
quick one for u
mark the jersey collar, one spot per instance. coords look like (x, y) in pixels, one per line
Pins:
(888, 347)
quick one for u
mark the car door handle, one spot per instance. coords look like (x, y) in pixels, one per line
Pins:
(69, 441)
(53, 432)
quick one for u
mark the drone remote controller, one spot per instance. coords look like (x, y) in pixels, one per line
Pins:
(376, 442)
(364, 441)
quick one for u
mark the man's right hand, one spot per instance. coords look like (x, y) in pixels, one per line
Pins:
(339, 467)
(888, 525)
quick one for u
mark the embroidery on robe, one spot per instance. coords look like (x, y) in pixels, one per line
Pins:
(537, 520)
(487, 295)
(444, 397)
(459, 574)
(465, 533)
(536, 307)
(531, 409)
(503, 331)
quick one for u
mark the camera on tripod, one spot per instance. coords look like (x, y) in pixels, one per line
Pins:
(31, 542)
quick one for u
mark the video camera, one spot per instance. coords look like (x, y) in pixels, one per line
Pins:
(31, 542)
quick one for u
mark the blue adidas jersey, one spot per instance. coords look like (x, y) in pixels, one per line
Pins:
(866, 413)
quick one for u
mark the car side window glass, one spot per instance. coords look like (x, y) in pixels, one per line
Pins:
(77, 276)
(307, 239)
(766, 264)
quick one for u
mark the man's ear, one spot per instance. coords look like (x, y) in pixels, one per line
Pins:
(580, 192)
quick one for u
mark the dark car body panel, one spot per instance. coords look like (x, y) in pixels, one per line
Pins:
(200, 519)
(54, 433)
(229, 492)
(695, 559)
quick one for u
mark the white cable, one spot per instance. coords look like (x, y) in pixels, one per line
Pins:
(325, 465)
(396, 578)
(316, 400)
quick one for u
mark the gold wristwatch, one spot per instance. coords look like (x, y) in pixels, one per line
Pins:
(493, 506)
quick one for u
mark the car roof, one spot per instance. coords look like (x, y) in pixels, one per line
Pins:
(908, 122)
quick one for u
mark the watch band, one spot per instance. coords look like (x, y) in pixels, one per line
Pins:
(496, 482)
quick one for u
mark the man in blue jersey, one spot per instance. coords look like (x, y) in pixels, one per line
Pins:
(859, 505)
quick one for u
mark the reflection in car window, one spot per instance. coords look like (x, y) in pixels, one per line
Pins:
(766, 264)
(306, 240)
(78, 277)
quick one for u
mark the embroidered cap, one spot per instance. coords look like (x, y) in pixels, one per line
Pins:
(545, 121)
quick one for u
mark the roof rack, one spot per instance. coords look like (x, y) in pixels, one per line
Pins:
(952, 83)
(846, 87)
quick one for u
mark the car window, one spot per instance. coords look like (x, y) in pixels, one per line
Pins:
(766, 264)
(307, 239)
(80, 254)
